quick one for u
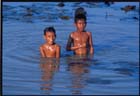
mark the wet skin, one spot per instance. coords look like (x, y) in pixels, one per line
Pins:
(50, 49)
(80, 39)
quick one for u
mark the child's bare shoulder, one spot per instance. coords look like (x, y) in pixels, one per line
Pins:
(42, 46)
(57, 45)
(72, 34)
(89, 33)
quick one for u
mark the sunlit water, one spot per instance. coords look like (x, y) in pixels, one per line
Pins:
(114, 69)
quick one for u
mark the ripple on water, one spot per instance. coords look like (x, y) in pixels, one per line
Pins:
(99, 81)
(23, 73)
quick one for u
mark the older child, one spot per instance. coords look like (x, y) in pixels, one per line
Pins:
(80, 41)
(50, 48)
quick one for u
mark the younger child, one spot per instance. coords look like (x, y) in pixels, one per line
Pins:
(50, 48)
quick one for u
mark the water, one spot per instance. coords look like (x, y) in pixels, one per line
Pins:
(113, 70)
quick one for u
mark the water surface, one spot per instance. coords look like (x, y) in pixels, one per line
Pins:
(113, 70)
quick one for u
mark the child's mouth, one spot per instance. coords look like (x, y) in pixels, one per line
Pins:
(50, 42)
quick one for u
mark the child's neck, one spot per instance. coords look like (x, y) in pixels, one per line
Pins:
(80, 31)
(49, 44)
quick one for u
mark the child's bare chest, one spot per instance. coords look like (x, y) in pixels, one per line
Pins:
(50, 49)
(80, 37)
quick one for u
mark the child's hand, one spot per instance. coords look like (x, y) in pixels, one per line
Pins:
(78, 46)
(83, 45)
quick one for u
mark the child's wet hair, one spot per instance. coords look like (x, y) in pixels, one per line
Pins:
(80, 10)
(49, 29)
(79, 17)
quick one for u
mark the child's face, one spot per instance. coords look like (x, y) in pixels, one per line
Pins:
(50, 37)
(80, 24)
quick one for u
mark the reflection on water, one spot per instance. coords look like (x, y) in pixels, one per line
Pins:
(130, 70)
(78, 68)
(113, 70)
(48, 66)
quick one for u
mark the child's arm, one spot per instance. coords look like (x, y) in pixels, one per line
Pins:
(70, 41)
(41, 51)
(91, 43)
(58, 51)
(77, 47)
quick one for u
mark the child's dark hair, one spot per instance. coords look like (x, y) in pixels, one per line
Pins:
(80, 10)
(79, 17)
(50, 29)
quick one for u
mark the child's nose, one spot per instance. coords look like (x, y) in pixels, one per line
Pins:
(51, 37)
(82, 25)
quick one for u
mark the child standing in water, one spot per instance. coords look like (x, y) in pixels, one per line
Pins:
(50, 48)
(80, 41)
